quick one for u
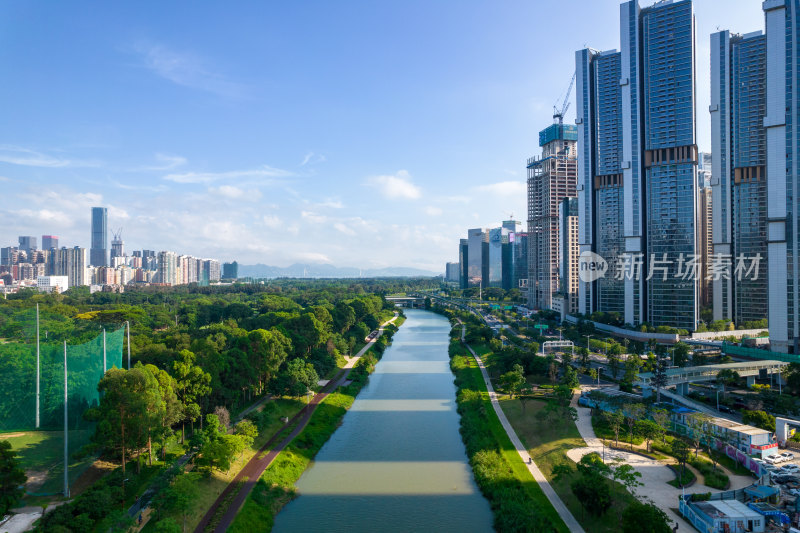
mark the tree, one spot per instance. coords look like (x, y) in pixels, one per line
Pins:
(696, 423)
(629, 478)
(634, 412)
(632, 364)
(129, 411)
(760, 419)
(172, 412)
(641, 517)
(179, 497)
(269, 349)
(570, 378)
(613, 363)
(513, 380)
(728, 377)
(295, 379)
(680, 354)
(659, 380)
(12, 478)
(649, 431)
(223, 415)
(193, 383)
(681, 452)
(247, 431)
(591, 487)
(218, 448)
(524, 394)
(661, 417)
(615, 420)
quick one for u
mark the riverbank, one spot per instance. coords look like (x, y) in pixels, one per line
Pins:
(518, 503)
(276, 486)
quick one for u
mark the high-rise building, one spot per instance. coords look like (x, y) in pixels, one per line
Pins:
(551, 178)
(167, 268)
(99, 251)
(600, 183)
(27, 243)
(705, 240)
(231, 270)
(739, 180)
(519, 257)
(638, 166)
(568, 252)
(497, 237)
(117, 249)
(463, 263)
(782, 124)
(450, 272)
(476, 273)
(73, 263)
(49, 242)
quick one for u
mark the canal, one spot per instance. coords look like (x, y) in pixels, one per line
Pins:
(397, 462)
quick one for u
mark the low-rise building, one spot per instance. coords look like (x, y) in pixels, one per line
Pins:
(57, 284)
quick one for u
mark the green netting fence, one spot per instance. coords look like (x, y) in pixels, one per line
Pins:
(38, 433)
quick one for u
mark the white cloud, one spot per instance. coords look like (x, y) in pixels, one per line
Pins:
(503, 188)
(167, 162)
(236, 193)
(343, 228)
(433, 211)
(18, 155)
(314, 218)
(208, 177)
(187, 70)
(331, 203)
(272, 221)
(311, 159)
(396, 186)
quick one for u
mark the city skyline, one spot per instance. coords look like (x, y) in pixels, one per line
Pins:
(263, 146)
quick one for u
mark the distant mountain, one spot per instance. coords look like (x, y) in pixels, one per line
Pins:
(323, 270)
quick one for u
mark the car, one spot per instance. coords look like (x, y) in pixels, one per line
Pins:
(793, 492)
(789, 455)
(791, 468)
(773, 459)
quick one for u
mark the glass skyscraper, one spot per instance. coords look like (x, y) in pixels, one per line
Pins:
(782, 124)
(738, 106)
(638, 166)
(98, 253)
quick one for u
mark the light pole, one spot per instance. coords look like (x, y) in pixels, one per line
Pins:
(588, 346)
(717, 399)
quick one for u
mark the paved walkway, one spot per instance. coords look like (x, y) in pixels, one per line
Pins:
(555, 500)
(655, 474)
(240, 487)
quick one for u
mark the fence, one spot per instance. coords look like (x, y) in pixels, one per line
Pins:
(45, 389)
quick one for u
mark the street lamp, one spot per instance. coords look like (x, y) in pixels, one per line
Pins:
(717, 399)
(588, 346)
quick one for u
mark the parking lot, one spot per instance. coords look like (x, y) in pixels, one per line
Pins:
(785, 474)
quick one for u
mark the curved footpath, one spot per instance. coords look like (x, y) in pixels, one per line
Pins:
(248, 476)
(555, 500)
(655, 474)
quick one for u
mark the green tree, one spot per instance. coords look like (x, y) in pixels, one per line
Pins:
(268, 350)
(247, 431)
(629, 478)
(12, 478)
(218, 448)
(570, 378)
(613, 363)
(129, 411)
(680, 451)
(633, 413)
(696, 423)
(615, 420)
(512, 381)
(591, 487)
(295, 378)
(193, 383)
(649, 431)
(641, 517)
(179, 497)
(727, 377)
(171, 412)
(680, 354)
(760, 419)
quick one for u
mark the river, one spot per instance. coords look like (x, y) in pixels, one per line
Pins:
(397, 462)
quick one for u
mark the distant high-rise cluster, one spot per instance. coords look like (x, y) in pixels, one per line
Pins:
(495, 257)
(53, 268)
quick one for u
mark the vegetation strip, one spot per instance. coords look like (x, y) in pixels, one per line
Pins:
(518, 503)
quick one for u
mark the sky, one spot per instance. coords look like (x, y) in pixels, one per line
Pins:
(358, 133)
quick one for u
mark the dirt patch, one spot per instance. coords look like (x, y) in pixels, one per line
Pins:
(92, 474)
(36, 479)
(11, 435)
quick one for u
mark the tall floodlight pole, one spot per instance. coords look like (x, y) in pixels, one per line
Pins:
(66, 429)
(38, 371)
(104, 351)
(128, 330)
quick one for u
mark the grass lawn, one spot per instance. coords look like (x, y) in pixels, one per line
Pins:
(548, 443)
(211, 487)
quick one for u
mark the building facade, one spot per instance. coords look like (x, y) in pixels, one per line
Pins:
(99, 250)
(738, 107)
(782, 124)
(551, 178)
(638, 166)
(569, 250)
(463, 262)
(49, 242)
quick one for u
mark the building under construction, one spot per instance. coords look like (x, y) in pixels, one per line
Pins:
(551, 178)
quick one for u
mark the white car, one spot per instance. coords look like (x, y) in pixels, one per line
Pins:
(793, 492)
(788, 455)
(773, 459)
(791, 468)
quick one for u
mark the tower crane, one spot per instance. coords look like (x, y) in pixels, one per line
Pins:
(558, 114)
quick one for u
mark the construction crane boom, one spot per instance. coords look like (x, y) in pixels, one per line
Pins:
(558, 113)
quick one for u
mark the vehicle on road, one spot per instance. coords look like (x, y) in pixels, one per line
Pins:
(790, 468)
(788, 455)
(773, 459)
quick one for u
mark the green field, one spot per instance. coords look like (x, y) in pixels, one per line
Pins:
(41, 454)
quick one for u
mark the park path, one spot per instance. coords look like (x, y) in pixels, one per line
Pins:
(565, 514)
(248, 476)
(655, 474)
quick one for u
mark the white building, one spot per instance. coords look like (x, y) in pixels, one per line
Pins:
(58, 284)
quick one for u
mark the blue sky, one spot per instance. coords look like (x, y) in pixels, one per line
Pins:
(364, 134)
